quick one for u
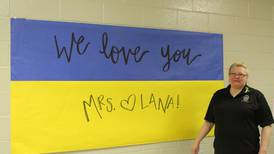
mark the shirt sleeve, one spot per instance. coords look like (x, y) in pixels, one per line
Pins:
(263, 115)
(210, 116)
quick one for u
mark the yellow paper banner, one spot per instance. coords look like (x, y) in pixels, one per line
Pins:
(73, 115)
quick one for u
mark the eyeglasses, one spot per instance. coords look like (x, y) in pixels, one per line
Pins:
(237, 74)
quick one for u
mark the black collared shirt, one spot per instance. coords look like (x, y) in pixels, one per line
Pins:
(237, 119)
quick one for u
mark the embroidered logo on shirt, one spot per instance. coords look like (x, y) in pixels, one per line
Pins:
(245, 99)
(246, 89)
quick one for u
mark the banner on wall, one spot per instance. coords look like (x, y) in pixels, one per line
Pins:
(85, 86)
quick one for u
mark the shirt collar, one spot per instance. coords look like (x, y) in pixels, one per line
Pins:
(245, 90)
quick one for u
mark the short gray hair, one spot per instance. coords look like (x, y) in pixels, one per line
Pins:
(238, 65)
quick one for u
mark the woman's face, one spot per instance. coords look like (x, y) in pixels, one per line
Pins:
(238, 77)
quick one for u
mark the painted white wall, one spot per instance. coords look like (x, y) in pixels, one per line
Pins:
(247, 27)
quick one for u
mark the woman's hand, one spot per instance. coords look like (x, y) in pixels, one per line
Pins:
(195, 148)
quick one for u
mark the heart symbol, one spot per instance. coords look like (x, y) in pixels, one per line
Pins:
(129, 103)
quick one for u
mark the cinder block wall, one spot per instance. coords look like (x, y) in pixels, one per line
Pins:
(247, 27)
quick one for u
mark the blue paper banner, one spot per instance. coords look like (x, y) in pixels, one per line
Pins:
(46, 50)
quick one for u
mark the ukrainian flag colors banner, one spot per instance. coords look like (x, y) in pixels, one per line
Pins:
(84, 86)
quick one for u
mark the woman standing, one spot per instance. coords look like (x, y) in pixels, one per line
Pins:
(236, 112)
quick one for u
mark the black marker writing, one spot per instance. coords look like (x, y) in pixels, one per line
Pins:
(160, 103)
(129, 103)
(73, 41)
(177, 55)
(98, 104)
(115, 52)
